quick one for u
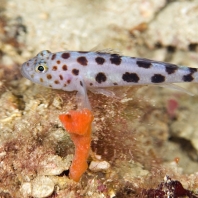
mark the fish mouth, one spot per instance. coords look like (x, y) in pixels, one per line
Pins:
(24, 74)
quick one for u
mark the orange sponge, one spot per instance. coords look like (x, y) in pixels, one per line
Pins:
(78, 124)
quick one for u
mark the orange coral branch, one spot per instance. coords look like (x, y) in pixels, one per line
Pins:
(78, 124)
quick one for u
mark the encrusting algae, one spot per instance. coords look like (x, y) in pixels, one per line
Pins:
(78, 124)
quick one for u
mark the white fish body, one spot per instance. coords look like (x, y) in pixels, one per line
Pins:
(77, 71)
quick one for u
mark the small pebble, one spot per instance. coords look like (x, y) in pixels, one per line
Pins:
(99, 166)
(26, 189)
(54, 165)
(42, 187)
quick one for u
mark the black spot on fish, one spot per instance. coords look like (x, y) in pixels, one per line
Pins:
(53, 56)
(54, 68)
(100, 60)
(188, 78)
(49, 76)
(83, 52)
(64, 67)
(75, 72)
(56, 82)
(170, 68)
(145, 64)
(65, 55)
(101, 77)
(61, 77)
(157, 78)
(193, 70)
(82, 60)
(115, 59)
(130, 77)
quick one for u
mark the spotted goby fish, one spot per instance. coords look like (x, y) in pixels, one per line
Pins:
(79, 71)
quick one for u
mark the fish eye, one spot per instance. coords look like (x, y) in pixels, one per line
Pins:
(41, 68)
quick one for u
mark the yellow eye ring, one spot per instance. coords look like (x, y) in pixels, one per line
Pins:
(41, 68)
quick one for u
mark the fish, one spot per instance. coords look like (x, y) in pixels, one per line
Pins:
(82, 70)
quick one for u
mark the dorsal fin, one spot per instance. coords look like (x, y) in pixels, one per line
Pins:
(110, 51)
(99, 49)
